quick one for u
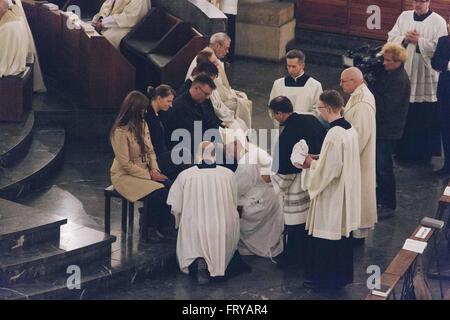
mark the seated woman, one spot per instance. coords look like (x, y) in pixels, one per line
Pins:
(135, 173)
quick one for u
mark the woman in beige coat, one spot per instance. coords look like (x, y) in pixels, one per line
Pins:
(135, 173)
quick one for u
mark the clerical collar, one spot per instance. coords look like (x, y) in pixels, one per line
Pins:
(300, 81)
(206, 165)
(341, 122)
(423, 16)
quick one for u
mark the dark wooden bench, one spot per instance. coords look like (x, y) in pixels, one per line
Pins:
(169, 61)
(16, 94)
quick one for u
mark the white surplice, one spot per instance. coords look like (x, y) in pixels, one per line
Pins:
(423, 77)
(14, 43)
(334, 186)
(204, 203)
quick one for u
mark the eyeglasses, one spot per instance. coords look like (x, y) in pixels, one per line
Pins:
(344, 81)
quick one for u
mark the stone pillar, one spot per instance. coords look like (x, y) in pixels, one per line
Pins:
(263, 29)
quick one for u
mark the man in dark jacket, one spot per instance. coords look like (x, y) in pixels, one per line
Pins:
(391, 90)
(441, 62)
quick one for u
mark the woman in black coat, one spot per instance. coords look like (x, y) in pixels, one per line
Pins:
(441, 63)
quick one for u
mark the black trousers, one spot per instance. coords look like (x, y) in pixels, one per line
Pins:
(156, 209)
(295, 248)
(421, 137)
(386, 189)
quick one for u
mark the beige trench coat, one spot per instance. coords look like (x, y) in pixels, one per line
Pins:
(130, 171)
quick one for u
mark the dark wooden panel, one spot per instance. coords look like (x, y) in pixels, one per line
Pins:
(390, 10)
(106, 76)
(70, 56)
(329, 15)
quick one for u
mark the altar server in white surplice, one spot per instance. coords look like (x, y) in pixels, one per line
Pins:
(334, 185)
(204, 203)
(418, 31)
(300, 88)
(117, 17)
(262, 220)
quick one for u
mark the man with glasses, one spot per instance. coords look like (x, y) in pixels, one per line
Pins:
(360, 112)
(418, 31)
(190, 107)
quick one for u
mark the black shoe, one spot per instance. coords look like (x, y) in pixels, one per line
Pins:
(358, 241)
(202, 272)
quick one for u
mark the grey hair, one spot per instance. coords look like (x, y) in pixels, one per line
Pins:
(219, 37)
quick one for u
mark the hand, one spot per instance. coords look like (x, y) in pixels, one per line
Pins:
(240, 94)
(155, 175)
(307, 163)
(98, 26)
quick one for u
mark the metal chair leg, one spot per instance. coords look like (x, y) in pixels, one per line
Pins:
(124, 215)
(107, 214)
(130, 215)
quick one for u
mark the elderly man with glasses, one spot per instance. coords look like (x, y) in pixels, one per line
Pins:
(418, 31)
(360, 112)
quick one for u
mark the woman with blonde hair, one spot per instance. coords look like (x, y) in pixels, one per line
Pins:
(135, 173)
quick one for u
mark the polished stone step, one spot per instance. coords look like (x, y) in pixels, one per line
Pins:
(130, 262)
(22, 226)
(15, 139)
(77, 246)
(42, 159)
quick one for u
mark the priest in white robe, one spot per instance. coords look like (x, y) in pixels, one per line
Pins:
(14, 41)
(204, 203)
(262, 220)
(418, 31)
(236, 100)
(117, 17)
(38, 79)
(360, 112)
(300, 88)
(334, 185)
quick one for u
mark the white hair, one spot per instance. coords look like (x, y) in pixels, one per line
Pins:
(219, 37)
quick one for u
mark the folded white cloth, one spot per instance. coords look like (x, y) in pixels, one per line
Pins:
(299, 153)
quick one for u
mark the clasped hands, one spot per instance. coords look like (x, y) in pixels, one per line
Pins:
(412, 37)
(155, 175)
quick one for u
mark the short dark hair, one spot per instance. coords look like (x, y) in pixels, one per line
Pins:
(162, 91)
(333, 99)
(281, 104)
(203, 56)
(296, 54)
(206, 67)
(203, 78)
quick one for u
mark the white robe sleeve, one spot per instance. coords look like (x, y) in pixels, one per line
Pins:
(275, 92)
(13, 59)
(396, 35)
(323, 171)
(132, 13)
(317, 92)
(175, 199)
(428, 46)
(104, 10)
(363, 125)
(221, 110)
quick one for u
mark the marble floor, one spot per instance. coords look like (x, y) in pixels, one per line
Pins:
(76, 192)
